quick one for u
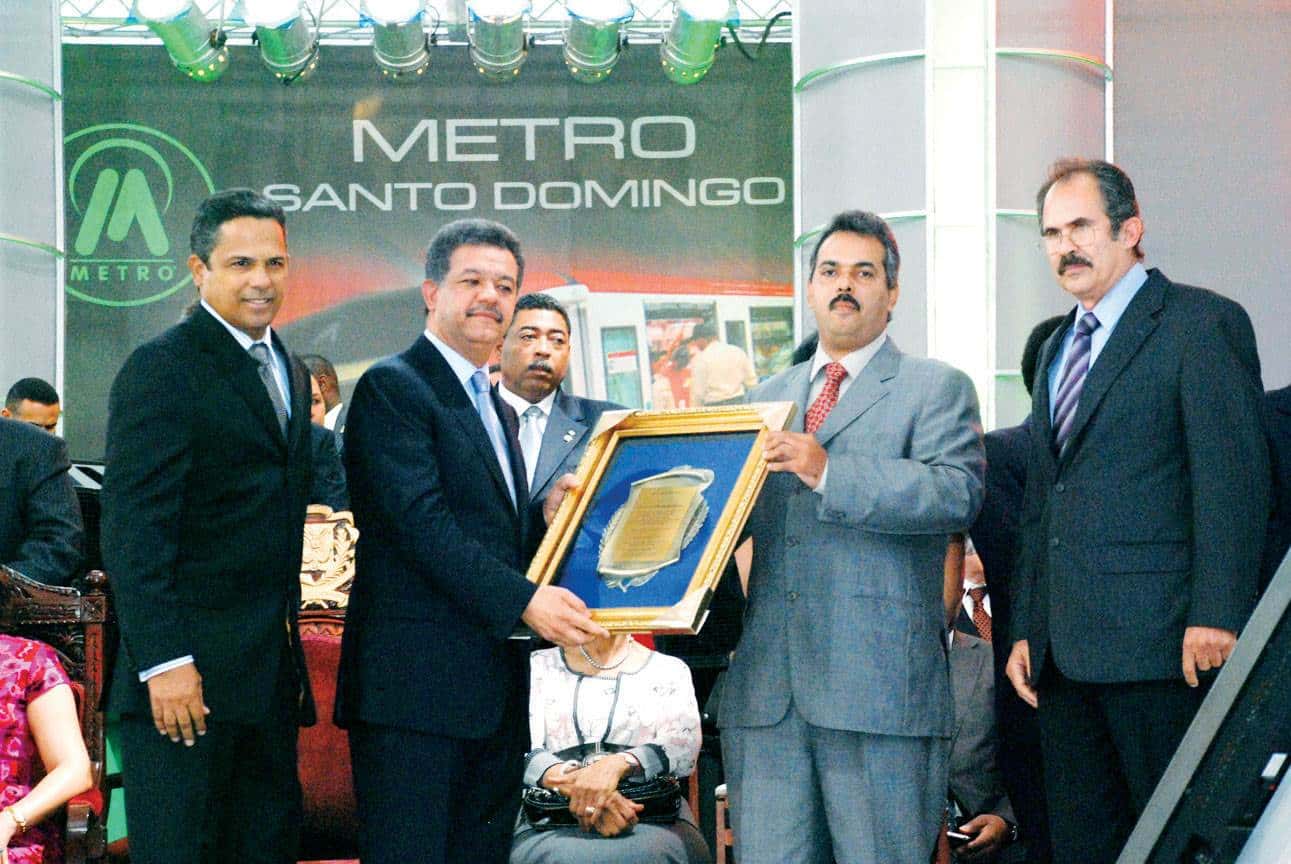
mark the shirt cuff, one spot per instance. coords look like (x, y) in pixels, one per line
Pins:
(165, 667)
(819, 488)
(536, 766)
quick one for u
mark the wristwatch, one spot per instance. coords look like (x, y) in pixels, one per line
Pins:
(1013, 831)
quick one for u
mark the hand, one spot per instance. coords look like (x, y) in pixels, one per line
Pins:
(1205, 648)
(177, 706)
(565, 485)
(556, 777)
(8, 827)
(797, 452)
(557, 615)
(992, 833)
(1018, 670)
(592, 793)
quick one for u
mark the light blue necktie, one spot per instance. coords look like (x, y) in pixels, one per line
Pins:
(493, 425)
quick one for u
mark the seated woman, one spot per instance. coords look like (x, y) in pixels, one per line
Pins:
(37, 717)
(613, 691)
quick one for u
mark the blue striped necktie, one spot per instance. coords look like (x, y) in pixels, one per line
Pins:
(1072, 381)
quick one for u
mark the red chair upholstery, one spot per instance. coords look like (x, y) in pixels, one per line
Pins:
(330, 826)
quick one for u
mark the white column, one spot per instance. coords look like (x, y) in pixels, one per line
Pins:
(961, 184)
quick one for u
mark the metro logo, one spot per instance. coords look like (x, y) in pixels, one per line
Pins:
(146, 186)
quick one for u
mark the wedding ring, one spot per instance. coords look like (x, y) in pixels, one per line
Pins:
(590, 811)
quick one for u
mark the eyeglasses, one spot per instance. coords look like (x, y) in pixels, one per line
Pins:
(1051, 239)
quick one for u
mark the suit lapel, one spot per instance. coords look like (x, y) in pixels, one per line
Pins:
(1040, 402)
(869, 387)
(238, 368)
(1135, 325)
(565, 428)
(298, 434)
(431, 365)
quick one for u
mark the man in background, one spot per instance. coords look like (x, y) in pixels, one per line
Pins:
(553, 425)
(329, 386)
(40, 520)
(33, 401)
(720, 374)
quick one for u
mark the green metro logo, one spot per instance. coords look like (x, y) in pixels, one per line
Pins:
(146, 185)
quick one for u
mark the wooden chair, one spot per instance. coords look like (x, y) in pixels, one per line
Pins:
(330, 826)
(75, 624)
(725, 837)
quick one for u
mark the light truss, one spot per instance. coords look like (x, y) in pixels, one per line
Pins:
(339, 21)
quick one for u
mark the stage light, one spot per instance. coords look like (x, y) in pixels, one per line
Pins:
(691, 44)
(193, 44)
(288, 35)
(496, 33)
(594, 35)
(398, 40)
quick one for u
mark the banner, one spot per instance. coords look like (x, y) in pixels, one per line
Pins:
(629, 197)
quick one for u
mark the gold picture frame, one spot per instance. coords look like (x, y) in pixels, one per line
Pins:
(662, 498)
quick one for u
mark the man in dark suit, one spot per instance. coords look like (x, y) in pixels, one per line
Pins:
(554, 426)
(432, 689)
(204, 496)
(40, 521)
(1146, 502)
(995, 537)
(1277, 404)
(34, 401)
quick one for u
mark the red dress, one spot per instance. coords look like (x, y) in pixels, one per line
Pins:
(27, 670)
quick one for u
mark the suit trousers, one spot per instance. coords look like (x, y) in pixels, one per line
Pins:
(1105, 747)
(434, 799)
(804, 794)
(233, 796)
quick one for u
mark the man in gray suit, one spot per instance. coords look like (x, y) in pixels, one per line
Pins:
(837, 706)
(554, 426)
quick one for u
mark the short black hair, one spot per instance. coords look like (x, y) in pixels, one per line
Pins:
(1119, 201)
(225, 207)
(31, 390)
(470, 232)
(319, 366)
(538, 300)
(1031, 353)
(704, 330)
(867, 225)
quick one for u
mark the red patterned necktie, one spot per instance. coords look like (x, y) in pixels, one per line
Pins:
(828, 398)
(981, 620)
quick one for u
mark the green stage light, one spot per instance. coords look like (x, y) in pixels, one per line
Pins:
(689, 48)
(288, 35)
(398, 40)
(496, 33)
(193, 44)
(593, 39)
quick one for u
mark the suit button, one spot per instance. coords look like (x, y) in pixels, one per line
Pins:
(1060, 487)
(791, 541)
(793, 595)
(1055, 542)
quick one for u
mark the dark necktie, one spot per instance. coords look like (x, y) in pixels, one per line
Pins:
(981, 620)
(1072, 381)
(828, 398)
(260, 352)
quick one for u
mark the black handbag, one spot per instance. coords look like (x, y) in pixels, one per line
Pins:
(660, 796)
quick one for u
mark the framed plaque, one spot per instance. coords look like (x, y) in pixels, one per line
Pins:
(662, 499)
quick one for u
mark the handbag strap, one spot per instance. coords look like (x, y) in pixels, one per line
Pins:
(609, 723)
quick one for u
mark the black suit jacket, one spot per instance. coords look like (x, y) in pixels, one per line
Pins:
(996, 531)
(569, 428)
(40, 521)
(203, 512)
(439, 574)
(1278, 415)
(1152, 518)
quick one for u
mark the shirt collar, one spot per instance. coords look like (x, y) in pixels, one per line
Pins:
(1110, 309)
(521, 404)
(243, 339)
(461, 367)
(853, 362)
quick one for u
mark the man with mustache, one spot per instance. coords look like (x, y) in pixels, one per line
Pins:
(553, 425)
(1147, 496)
(432, 689)
(836, 711)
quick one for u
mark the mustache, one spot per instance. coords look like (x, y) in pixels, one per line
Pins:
(485, 310)
(1071, 259)
(845, 298)
(541, 366)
